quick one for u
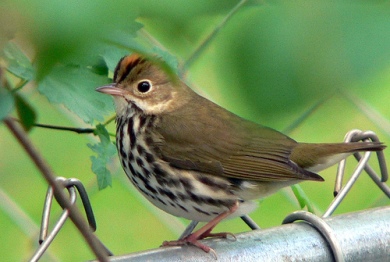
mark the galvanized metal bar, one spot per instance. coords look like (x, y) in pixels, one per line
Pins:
(362, 236)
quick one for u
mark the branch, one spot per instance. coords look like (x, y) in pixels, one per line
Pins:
(61, 197)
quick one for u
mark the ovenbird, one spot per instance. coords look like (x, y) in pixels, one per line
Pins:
(194, 159)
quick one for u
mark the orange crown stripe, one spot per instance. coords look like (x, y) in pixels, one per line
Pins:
(125, 65)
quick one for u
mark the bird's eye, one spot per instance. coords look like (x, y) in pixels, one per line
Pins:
(144, 86)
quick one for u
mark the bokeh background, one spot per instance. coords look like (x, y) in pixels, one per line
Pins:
(311, 69)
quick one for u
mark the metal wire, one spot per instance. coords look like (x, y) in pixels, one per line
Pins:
(247, 220)
(339, 191)
(45, 238)
(73, 182)
(189, 229)
(250, 222)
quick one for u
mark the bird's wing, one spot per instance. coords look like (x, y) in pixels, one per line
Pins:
(223, 144)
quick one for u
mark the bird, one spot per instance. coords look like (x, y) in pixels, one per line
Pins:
(194, 159)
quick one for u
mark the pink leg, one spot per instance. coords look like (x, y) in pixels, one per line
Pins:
(204, 232)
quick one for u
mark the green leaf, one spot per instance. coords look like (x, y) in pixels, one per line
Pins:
(18, 62)
(100, 68)
(302, 198)
(74, 87)
(7, 103)
(25, 112)
(103, 175)
(171, 62)
(105, 151)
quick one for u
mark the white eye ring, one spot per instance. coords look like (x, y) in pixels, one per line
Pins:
(144, 86)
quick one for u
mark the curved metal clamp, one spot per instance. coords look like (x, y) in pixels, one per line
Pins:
(322, 227)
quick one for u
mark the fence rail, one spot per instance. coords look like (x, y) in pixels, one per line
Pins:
(362, 236)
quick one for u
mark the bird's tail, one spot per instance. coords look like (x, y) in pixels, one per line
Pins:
(316, 157)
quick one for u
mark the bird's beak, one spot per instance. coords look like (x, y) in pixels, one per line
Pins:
(111, 89)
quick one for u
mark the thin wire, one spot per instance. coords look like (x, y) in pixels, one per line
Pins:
(339, 191)
(189, 229)
(250, 222)
(344, 191)
(73, 182)
(46, 240)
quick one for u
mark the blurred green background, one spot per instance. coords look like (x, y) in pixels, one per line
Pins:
(312, 69)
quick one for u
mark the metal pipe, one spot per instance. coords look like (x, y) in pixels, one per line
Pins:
(362, 236)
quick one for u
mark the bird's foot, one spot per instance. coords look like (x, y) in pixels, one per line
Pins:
(204, 232)
(193, 239)
(190, 240)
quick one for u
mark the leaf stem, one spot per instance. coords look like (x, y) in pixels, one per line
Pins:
(109, 120)
(64, 128)
(72, 129)
(20, 85)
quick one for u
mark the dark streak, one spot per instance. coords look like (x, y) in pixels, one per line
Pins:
(142, 121)
(140, 150)
(212, 183)
(185, 209)
(201, 211)
(128, 69)
(167, 193)
(131, 133)
(116, 71)
(186, 183)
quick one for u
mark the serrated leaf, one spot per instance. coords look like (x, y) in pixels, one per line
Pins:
(105, 150)
(103, 175)
(74, 87)
(25, 112)
(18, 62)
(7, 103)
